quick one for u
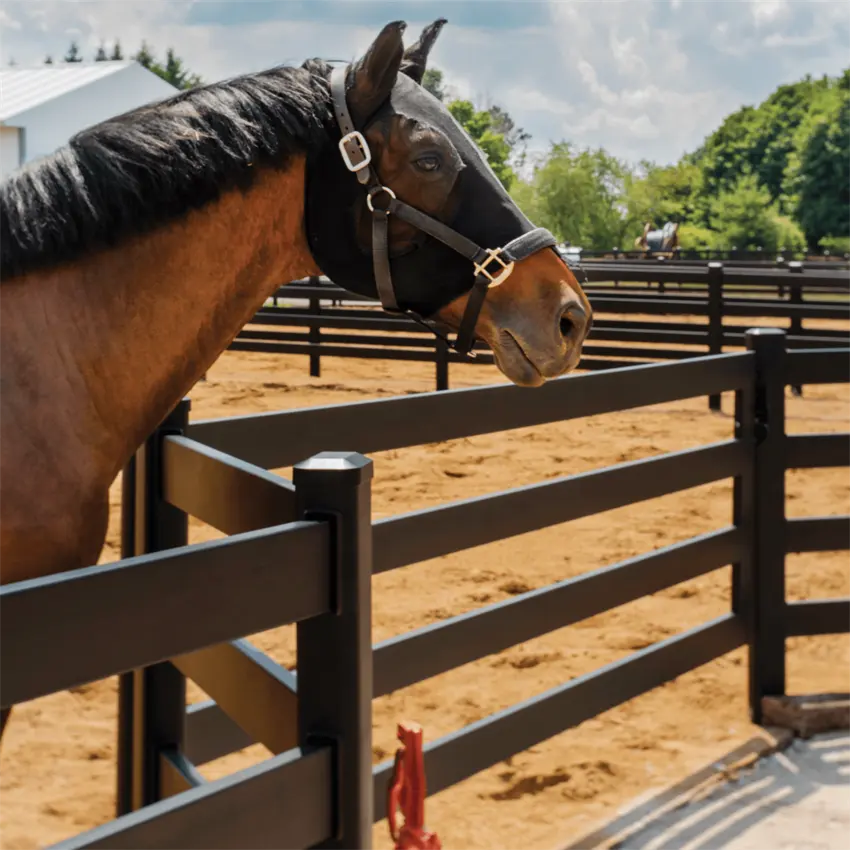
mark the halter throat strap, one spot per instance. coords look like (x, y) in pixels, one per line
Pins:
(491, 267)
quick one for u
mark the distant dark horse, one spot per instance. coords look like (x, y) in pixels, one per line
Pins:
(659, 241)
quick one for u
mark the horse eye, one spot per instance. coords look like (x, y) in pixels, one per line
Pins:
(428, 163)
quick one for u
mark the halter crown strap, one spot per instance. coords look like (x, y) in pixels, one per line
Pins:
(353, 147)
(491, 266)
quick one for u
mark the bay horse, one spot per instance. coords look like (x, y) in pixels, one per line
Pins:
(131, 257)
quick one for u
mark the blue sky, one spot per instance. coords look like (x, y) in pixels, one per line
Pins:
(643, 78)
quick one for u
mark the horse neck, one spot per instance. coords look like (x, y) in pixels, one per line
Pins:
(135, 327)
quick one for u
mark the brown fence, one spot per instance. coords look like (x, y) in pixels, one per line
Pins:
(304, 552)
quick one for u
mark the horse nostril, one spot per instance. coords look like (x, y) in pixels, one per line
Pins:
(574, 323)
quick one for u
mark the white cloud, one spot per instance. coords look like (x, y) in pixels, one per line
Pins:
(767, 11)
(645, 79)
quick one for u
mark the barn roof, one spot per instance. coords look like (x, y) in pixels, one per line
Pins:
(24, 88)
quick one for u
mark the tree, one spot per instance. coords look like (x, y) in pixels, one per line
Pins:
(173, 71)
(578, 195)
(744, 216)
(73, 54)
(100, 56)
(176, 73)
(479, 125)
(432, 81)
(660, 194)
(48, 60)
(818, 171)
(116, 54)
(516, 137)
(144, 56)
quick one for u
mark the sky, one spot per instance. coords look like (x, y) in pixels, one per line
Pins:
(646, 79)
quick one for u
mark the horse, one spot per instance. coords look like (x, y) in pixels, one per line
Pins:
(661, 241)
(131, 257)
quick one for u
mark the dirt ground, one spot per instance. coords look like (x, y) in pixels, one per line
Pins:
(57, 761)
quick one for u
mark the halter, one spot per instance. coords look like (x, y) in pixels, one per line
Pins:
(491, 266)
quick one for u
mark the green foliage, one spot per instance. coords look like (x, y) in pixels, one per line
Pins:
(659, 194)
(789, 235)
(577, 194)
(818, 171)
(479, 125)
(492, 129)
(176, 73)
(173, 71)
(835, 244)
(516, 137)
(432, 81)
(144, 56)
(744, 216)
(758, 140)
(692, 237)
(773, 175)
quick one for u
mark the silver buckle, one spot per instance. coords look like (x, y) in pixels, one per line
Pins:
(502, 276)
(374, 191)
(355, 136)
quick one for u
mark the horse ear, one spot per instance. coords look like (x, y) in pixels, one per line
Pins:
(416, 56)
(374, 75)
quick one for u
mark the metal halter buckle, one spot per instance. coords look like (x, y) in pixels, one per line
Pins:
(374, 191)
(362, 148)
(502, 276)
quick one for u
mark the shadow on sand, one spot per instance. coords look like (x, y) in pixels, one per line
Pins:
(779, 800)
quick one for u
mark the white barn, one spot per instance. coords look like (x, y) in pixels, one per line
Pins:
(42, 106)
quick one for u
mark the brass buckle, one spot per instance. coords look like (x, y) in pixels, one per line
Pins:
(357, 137)
(502, 276)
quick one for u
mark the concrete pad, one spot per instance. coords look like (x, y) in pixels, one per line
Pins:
(795, 799)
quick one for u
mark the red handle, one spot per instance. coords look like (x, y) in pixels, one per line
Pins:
(407, 793)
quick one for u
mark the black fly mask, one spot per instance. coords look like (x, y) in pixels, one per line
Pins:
(449, 258)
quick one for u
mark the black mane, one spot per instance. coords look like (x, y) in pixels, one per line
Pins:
(135, 172)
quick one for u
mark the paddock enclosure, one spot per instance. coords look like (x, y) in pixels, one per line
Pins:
(522, 644)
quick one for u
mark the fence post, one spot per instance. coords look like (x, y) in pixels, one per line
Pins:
(335, 649)
(795, 291)
(441, 358)
(124, 754)
(315, 333)
(759, 581)
(152, 701)
(715, 319)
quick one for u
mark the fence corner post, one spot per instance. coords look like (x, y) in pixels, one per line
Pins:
(761, 599)
(152, 700)
(715, 319)
(335, 649)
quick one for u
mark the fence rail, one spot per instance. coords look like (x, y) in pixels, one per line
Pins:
(708, 293)
(305, 551)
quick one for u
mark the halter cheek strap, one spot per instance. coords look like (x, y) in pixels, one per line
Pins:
(491, 266)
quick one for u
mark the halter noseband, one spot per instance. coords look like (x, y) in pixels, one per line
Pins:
(358, 159)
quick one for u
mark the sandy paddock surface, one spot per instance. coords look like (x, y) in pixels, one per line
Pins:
(57, 764)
